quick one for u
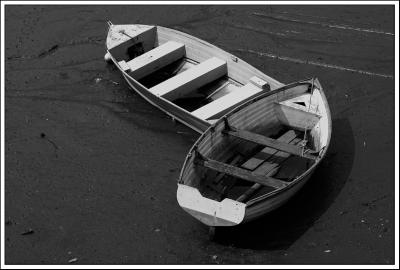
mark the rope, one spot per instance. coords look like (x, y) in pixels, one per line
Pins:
(308, 110)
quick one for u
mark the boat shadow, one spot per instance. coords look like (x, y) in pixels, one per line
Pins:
(281, 228)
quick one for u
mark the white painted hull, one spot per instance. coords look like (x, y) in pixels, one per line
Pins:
(196, 50)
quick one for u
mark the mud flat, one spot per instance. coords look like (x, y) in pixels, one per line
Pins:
(91, 168)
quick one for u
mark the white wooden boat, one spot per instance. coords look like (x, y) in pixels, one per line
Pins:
(257, 156)
(191, 80)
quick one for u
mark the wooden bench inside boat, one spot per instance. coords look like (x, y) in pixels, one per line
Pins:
(269, 142)
(154, 59)
(297, 113)
(225, 103)
(191, 79)
(240, 173)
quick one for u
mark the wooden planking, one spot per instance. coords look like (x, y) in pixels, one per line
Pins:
(227, 102)
(296, 116)
(252, 163)
(270, 171)
(242, 173)
(155, 59)
(266, 167)
(257, 138)
(191, 79)
(280, 156)
(269, 168)
(267, 152)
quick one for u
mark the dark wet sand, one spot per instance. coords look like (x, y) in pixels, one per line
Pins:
(91, 168)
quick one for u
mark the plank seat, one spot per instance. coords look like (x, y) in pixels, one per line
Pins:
(240, 173)
(191, 79)
(292, 114)
(266, 141)
(226, 103)
(155, 59)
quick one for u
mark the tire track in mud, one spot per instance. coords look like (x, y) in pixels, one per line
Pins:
(322, 24)
(314, 63)
(285, 35)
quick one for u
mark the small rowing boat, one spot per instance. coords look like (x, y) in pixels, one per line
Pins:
(257, 156)
(189, 79)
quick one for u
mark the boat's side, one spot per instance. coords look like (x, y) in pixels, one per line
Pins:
(259, 114)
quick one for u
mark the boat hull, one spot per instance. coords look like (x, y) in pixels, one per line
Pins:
(215, 148)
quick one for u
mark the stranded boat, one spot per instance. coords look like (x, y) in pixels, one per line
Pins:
(189, 79)
(257, 156)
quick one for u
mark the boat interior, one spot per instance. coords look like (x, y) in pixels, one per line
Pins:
(194, 75)
(261, 147)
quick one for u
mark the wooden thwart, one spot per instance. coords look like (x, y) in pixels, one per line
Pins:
(155, 59)
(219, 177)
(241, 173)
(260, 139)
(227, 102)
(191, 79)
(296, 116)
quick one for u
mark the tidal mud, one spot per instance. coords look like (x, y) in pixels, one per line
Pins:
(100, 186)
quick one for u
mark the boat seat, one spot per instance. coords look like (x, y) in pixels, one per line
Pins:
(225, 103)
(155, 59)
(297, 113)
(191, 79)
(240, 173)
(272, 143)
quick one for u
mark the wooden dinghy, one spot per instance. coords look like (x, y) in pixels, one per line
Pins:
(257, 156)
(191, 80)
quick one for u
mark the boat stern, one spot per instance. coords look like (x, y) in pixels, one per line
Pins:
(125, 41)
(212, 213)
